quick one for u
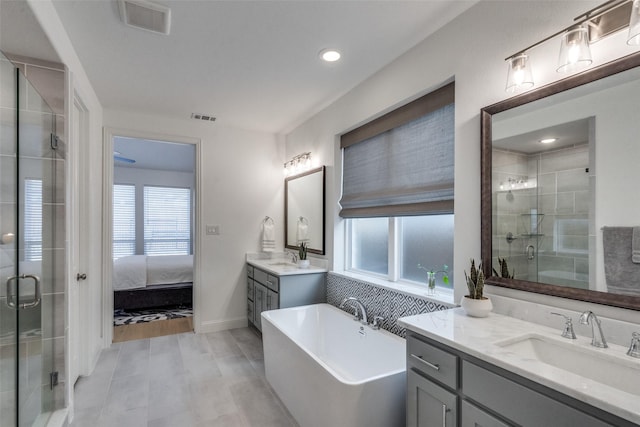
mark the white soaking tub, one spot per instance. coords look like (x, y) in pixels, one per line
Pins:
(330, 370)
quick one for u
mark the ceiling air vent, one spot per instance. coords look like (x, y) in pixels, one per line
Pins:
(205, 117)
(145, 15)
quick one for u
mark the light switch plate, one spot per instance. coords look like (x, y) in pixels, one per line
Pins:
(213, 230)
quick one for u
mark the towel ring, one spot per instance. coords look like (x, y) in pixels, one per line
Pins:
(268, 220)
(303, 220)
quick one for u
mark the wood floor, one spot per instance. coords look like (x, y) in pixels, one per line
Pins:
(153, 329)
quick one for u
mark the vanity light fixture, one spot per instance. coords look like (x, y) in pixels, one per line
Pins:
(574, 50)
(519, 76)
(330, 55)
(298, 164)
(633, 39)
(591, 26)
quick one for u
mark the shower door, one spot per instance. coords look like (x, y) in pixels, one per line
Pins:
(28, 170)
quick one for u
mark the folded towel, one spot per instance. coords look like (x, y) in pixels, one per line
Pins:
(621, 274)
(302, 231)
(635, 246)
(268, 236)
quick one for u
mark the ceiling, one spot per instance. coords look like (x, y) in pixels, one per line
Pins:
(158, 155)
(251, 64)
(566, 134)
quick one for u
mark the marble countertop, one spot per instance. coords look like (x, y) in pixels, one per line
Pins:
(478, 337)
(280, 264)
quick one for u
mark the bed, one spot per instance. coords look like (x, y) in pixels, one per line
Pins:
(141, 281)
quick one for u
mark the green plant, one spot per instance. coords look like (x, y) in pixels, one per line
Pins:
(475, 281)
(302, 251)
(431, 275)
(504, 269)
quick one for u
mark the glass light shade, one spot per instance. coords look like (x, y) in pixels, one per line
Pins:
(634, 25)
(574, 50)
(519, 76)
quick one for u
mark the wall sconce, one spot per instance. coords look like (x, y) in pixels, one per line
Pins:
(298, 164)
(591, 26)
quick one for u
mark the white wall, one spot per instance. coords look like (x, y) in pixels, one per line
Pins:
(470, 50)
(241, 182)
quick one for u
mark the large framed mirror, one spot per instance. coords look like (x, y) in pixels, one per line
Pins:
(304, 205)
(563, 214)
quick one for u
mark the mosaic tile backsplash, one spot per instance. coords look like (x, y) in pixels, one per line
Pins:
(386, 303)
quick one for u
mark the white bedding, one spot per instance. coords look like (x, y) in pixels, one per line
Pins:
(140, 271)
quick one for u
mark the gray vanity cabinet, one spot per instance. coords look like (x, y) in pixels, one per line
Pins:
(432, 378)
(266, 291)
(445, 384)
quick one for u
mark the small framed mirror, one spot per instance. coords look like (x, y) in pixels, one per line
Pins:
(304, 206)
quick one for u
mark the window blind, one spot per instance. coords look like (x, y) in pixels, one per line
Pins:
(167, 221)
(402, 165)
(124, 220)
(33, 220)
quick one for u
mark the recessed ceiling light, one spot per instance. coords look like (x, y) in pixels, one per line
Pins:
(548, 140)
(330, 55)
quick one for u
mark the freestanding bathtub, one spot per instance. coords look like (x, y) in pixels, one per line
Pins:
(330, 370)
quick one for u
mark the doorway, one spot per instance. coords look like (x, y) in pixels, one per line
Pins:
(153, 216)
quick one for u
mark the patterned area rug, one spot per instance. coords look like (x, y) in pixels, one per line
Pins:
(121, 317)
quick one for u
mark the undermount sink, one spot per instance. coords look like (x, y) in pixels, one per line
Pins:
(578, 358)
(283, 264)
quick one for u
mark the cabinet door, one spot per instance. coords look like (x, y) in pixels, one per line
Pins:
(476, 417)
(272, 300)
(260, 303)
(429, 405)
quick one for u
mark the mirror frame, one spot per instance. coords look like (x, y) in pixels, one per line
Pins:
(614, 67)
(320, 251)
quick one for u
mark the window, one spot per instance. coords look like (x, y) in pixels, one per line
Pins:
(167, 221)
(124, 220)
(33, 220)
(397, 193)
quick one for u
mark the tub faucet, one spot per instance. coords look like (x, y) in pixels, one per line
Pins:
(596, 341)
(358, 305)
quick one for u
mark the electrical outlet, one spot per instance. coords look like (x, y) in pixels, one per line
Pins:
(213, 230)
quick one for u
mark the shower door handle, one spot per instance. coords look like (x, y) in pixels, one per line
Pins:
(11, 297)
(531, 252)
(11, 303)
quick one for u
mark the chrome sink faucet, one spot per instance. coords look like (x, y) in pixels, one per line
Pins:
(634, 348)
(590, 317)
(567, 331)
(357, 305)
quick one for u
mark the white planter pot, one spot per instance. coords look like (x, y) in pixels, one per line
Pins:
(476, 307)
(303, 263)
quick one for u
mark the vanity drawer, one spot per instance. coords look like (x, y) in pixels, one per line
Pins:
(433, 362)
(250, 288)
(273, 283)
(262, 277)
(249, 270)
(520, 404)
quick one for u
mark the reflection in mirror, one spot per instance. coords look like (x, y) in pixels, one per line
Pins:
(541, 201)
(304, 210)
(558, 170)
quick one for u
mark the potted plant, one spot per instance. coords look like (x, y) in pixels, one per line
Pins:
(303, 262)
(475, 303)
(431, 277)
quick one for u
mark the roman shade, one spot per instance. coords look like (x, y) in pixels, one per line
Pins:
(401, 163)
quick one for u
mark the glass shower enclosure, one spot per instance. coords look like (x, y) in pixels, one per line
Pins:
(30, 173)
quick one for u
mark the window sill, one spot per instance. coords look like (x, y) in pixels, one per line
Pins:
(442, 296)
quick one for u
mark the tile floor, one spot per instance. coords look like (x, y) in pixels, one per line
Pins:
(184, 380)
